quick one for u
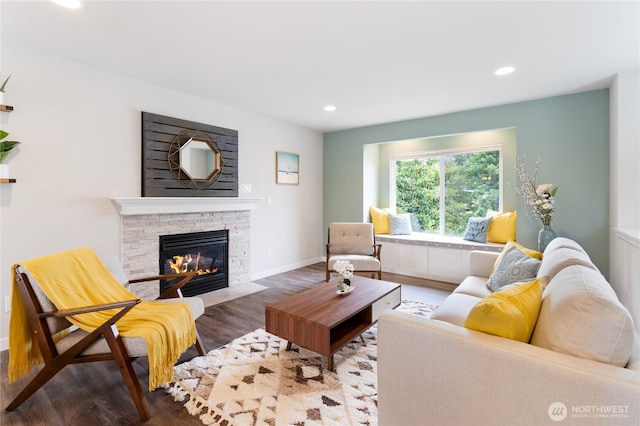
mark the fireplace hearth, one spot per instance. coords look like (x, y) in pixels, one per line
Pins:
(206, 253)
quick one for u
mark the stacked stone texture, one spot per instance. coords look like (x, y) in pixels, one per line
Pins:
(141, 243)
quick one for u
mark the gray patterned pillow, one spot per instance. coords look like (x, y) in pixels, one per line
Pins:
(400, 224)
(514, 266)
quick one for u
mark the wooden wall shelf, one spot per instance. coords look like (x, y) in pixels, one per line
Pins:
(7, 108)
(5, 180)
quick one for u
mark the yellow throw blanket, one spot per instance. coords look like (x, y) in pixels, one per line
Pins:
(78, 278)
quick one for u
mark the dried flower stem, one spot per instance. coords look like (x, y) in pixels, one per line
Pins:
(540, 198)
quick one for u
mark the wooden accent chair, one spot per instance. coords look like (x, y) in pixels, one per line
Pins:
(104, 343)
(355, 242)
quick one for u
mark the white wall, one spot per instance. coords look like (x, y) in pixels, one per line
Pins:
(80, 129)
(624, 154)
(371, 158)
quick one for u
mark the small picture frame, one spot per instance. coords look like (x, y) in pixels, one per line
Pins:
(287, 168)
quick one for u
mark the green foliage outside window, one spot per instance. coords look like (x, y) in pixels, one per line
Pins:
(417, 183)
(470, 186)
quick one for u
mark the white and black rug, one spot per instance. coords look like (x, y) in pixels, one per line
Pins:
(255, 381)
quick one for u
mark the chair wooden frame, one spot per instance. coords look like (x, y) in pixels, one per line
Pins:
(377, 248)
(54, 361)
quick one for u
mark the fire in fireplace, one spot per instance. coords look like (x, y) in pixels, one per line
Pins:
(203, 252)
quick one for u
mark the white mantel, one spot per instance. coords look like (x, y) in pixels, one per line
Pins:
(145, 219)
(130, 206)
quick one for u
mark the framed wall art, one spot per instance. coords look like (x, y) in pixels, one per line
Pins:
(287, 168)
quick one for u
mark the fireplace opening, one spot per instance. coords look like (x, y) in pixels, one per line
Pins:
(206, 253)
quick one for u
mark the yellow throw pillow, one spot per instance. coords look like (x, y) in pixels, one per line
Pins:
(533, 253)
(502, 227)
(380, 220)
(510, 313)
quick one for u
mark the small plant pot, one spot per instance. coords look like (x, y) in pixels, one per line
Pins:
(5, 173)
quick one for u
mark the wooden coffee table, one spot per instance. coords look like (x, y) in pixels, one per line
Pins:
(322, 321)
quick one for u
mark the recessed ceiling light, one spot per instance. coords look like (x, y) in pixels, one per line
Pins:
(504, 71)
(330, 108)
(70, 4)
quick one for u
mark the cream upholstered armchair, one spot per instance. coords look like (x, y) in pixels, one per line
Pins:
(355, 242)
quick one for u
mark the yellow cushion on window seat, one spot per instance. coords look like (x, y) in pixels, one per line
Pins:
(502, 227)
(380, 220)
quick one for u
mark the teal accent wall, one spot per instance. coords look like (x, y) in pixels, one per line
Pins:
(569, 133)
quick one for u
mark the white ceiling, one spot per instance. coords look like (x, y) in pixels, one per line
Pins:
(376, 62)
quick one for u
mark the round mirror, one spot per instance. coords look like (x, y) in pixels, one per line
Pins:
(199, 159)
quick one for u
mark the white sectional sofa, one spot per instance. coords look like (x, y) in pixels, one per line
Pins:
(581, 366)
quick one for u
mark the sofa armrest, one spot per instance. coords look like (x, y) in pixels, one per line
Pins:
(460, 376)
(481, 262)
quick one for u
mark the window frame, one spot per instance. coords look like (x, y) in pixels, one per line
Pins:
(440, 153)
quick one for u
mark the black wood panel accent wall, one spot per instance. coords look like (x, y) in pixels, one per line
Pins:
(158, 133)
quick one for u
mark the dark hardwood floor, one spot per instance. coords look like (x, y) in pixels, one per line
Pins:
(94, 394)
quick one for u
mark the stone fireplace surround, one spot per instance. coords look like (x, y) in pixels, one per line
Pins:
(144, 219)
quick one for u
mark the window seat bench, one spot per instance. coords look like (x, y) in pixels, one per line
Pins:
(431, 256)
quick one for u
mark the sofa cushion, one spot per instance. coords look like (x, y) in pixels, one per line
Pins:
(474, 286)
(562, 242)
(455, 308)
(581, 316)
(481, 263)
(510, 313)
(561, 257)
(477, 228)
(515, 265)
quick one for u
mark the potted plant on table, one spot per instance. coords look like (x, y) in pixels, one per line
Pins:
(5, 148)
(344, 268)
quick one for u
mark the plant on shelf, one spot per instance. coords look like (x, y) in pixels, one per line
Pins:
(2, 87)
(6, 146)
(4, 83)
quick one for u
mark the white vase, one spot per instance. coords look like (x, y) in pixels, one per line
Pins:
(4, 171)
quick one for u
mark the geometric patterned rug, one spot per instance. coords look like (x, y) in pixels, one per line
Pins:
(255, 381)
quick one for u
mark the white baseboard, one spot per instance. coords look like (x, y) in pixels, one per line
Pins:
(4, 344)
(285, 268)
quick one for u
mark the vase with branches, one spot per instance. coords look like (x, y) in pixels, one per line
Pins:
(539, 198)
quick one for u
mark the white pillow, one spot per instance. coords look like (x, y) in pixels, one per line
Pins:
(400, 224)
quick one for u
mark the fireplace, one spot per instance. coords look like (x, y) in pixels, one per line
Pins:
(206, 253)
(145, 219)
